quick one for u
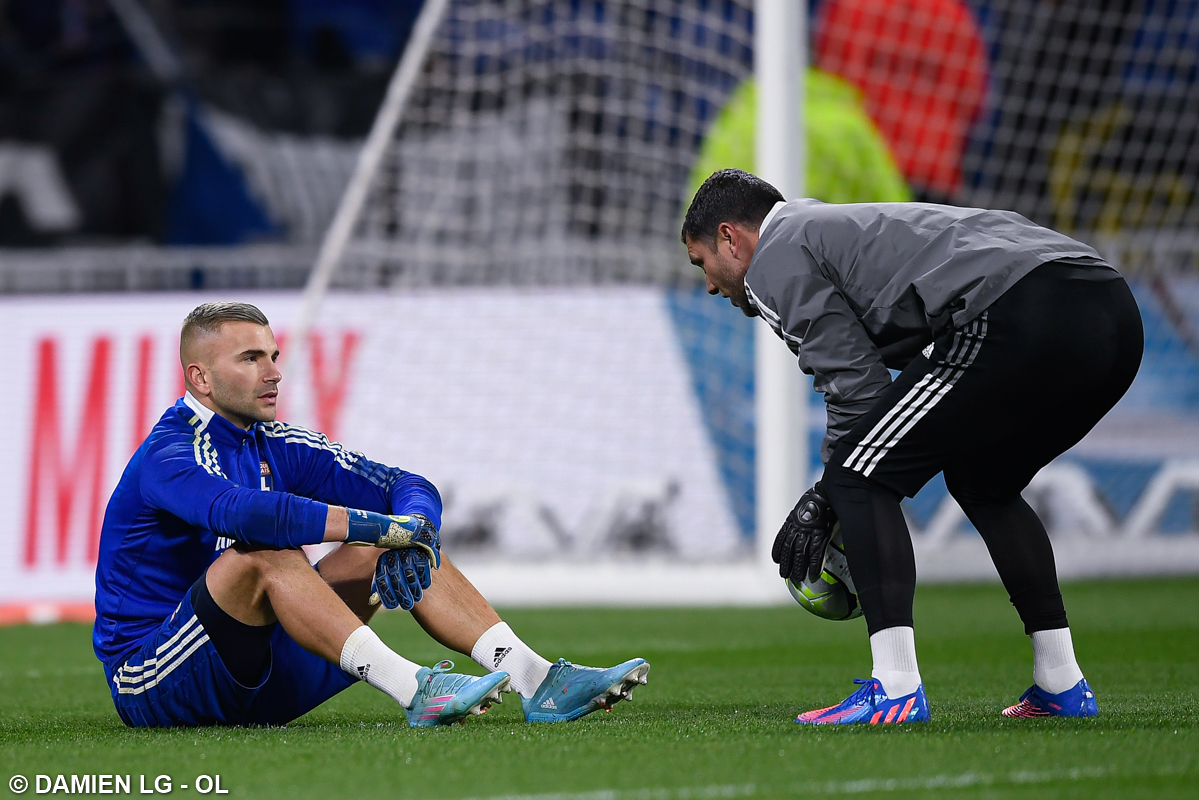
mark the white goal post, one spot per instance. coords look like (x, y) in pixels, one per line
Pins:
(780, 58)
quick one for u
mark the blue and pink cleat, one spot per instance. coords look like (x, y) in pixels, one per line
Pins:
(871, 706)
(444, 697)
(1077, 701)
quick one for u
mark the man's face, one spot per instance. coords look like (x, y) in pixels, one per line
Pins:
(725, 266)
(234, 370)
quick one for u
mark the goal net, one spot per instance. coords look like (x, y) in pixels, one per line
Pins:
(547, 142)
(512, 315)
(566, 381)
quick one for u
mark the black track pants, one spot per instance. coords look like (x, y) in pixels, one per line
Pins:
(995, 401)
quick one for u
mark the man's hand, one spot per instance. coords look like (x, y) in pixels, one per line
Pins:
(799, 547)
(401, 576)
(392, 532)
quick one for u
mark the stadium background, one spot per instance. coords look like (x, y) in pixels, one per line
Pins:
(514, 316)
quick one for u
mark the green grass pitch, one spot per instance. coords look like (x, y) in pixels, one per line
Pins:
(714, 721)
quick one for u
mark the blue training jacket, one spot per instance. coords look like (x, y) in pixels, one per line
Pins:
(198, 484)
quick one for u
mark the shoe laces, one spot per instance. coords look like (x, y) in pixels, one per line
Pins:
(865, 695)
(565, 670)
(441, 680)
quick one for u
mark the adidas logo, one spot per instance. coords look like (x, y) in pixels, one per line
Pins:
(549, 703)
(500, 652)
(363, 671)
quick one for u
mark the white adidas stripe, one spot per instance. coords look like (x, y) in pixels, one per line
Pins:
(152, 665)
(135, 679)
(150, 684)
(158, 663)
(928, 389)
(933, 401)
(202, 448)
(347, 459)
(911, 402)
(178, 634)
(150, 662)
(318, 441)
(920, 400)
(857, 459)
(772, 319)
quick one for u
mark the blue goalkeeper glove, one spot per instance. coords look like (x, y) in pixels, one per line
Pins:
(395, 532)
(401, 576)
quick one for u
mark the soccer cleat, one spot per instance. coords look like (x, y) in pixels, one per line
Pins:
(870, 705)
(1077, 701)
(444, 697)
(569, 691)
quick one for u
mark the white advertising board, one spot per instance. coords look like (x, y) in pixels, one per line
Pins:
(560, 426)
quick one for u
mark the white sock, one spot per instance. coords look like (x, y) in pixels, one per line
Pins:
(895, 667)
(1054, 668)
(365, 657)
(499, 648)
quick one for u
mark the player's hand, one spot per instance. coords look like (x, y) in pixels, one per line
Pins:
(401, 576)
(395, 532)
(799, 547)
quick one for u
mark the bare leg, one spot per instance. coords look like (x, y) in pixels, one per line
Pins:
(349, 571)
(452, 610)
(260, 587)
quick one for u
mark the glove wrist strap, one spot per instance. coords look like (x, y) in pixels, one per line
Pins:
(366, 527)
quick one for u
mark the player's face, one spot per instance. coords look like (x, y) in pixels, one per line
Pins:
(243, 376)
(725, 267)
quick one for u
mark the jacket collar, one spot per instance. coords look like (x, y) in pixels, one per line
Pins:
(774, 212)
(221, 429)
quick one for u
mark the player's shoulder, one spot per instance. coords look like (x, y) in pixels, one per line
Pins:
(177, 424)
(279, 434)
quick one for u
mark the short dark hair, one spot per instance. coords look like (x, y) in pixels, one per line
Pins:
(209, 317)
(729, 195)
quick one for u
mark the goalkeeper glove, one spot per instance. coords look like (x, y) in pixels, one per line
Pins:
(799, 547)
(401, 576)
(393, 532)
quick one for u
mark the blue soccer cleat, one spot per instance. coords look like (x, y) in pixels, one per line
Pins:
(1077, 701)
(569, 691)
(444, 697)
(870, 705)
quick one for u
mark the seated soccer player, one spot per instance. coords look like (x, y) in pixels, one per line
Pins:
(209, 613)
(1013, 341)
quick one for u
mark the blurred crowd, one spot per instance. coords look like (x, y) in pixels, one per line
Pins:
(1082, 114)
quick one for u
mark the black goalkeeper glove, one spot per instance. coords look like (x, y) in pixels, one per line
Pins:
(799, 547)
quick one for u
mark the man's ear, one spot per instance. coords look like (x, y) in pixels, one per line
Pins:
(727, 232)
(197, 379)
(740, 241)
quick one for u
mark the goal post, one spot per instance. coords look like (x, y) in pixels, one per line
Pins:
(780, 59)
(520, 197)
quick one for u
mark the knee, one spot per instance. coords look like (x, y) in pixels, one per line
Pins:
(975, 494)
(257, 567)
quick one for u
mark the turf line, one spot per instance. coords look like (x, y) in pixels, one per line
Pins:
(965, 779)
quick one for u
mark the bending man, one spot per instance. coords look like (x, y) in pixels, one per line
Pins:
(1013, 342)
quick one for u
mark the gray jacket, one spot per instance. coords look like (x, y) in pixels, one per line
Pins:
(856, 289)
